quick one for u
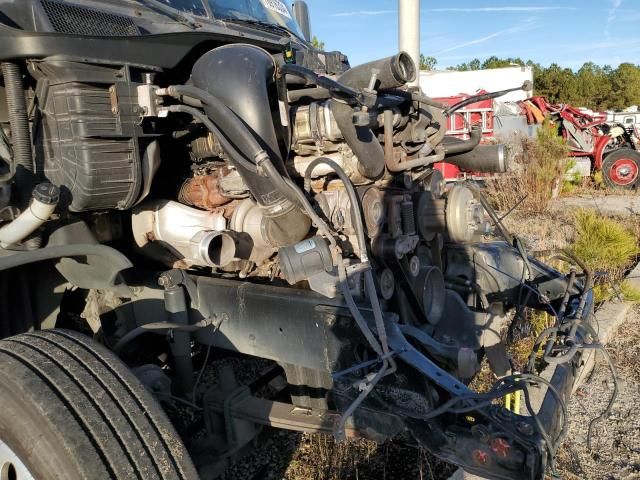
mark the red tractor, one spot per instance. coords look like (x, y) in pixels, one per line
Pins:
(611, 147)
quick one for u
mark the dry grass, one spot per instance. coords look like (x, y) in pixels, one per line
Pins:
(320, 457)
(537, 172)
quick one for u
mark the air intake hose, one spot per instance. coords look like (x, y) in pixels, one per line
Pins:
(391, 72)
(241, 80)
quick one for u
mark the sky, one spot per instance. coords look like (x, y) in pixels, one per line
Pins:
(567, 32)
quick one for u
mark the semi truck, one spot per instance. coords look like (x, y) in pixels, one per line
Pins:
(187, 185)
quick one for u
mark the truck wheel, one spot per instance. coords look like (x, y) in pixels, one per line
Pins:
(621, 169)
(70, 409)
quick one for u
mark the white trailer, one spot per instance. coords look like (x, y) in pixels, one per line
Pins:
(449, 83)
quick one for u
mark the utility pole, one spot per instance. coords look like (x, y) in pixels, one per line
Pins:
(409, 28)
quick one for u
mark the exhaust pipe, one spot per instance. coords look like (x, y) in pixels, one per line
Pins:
(193, 236)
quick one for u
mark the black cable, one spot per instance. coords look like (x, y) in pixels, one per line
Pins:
(158, 327)
(351, 192)
(541, 298)
(320, 81)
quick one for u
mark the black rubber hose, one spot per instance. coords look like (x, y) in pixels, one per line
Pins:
(231, 125)
(416, 97)
(391, 72)
(527, 85)
(236, 157)
(465, 146)
(361, 140)
(308, 94)
(223, 116)
(313, 78)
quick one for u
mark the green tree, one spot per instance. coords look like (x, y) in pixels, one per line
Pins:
(593, 86)
(558, 84)
(317, 44)
(495, 62)
(625, 85)
(427, 63)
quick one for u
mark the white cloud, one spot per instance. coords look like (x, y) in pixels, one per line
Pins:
(615, 5)
(527, 25)
(499, 9)
(363, 12)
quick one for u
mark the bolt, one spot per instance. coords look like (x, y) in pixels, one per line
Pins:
(414, 266)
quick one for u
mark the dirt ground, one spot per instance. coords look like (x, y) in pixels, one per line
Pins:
(616, 440)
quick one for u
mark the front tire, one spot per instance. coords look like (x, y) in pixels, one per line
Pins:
(621, 169)
(70, 409)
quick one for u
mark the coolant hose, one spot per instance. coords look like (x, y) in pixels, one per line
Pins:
(322, 82)
(20, 133)
(361, 140)
(464, 146)
(45, 200)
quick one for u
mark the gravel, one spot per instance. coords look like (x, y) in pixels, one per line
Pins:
(616, 440)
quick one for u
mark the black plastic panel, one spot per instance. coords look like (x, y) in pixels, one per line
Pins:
(90, 146)
(66, 18)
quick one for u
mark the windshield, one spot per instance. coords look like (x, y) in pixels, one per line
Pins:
(192, 7)
(274, 12)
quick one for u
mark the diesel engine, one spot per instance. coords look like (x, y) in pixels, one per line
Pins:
(196, 182)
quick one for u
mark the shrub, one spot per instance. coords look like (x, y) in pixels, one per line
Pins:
(629, 292)
(607, 248)
(603, 243)
(537, 172)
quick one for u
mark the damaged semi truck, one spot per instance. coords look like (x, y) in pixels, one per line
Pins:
(187, 181)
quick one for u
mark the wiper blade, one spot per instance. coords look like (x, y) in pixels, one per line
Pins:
(181, 18)
(257, 23)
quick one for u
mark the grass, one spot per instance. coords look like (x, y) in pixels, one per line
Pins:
(320, 457)
(629, 292)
